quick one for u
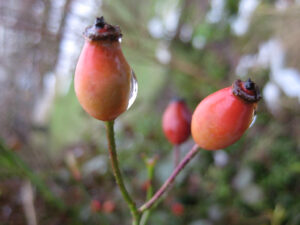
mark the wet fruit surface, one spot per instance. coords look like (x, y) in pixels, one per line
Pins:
(222, 118)
(103, 78)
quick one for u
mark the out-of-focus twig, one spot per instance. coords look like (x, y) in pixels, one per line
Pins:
(150, 164)
(27, 197)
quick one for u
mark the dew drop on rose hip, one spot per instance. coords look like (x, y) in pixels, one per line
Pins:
(133, 89)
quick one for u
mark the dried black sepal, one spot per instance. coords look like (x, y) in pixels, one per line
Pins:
(238, 90)
(102, 31)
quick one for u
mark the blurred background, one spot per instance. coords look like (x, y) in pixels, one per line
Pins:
(54, 166)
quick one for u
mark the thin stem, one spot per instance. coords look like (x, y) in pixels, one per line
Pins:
(150, 172)
(117, 173)
(170, 180)
(176, 152)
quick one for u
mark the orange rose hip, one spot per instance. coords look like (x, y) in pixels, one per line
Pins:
(222, 117)
(103, 78)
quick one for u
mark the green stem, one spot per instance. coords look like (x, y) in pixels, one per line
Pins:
(150, 173)
(117, 173)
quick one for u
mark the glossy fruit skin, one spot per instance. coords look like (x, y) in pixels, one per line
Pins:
(102, 76)
(221, 119)
(176, 122)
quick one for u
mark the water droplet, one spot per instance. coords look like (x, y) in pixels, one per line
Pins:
(120, 40)
(133, 89)
(253, 119)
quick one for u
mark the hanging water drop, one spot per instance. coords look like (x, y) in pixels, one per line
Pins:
(133, 89)
(253, 119)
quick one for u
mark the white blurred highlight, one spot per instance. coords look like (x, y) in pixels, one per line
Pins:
(216, 12)
(241, 23)
(271, 55)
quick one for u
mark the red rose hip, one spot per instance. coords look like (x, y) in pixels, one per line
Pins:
(176, 122)
(222, 117)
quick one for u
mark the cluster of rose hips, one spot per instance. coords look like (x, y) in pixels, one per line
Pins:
(104, 86)
(219, 120)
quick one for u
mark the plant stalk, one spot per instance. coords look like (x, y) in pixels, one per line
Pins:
(150, 172)
(170, 180)
(117, 173)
